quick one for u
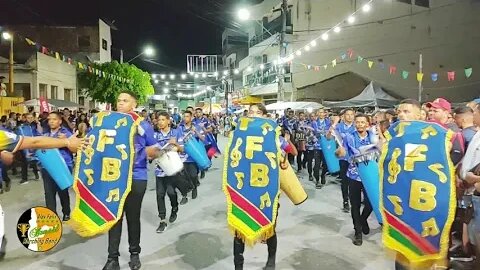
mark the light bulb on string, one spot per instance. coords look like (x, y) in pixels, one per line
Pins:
(215, 74)
(313, 43)
(325, 36)
(167, 83)
(156, 81)
(307, 48)
(178, 85)
(188, 86)
(366, 8)
(184, 76)
(165, 90)
(351, 19)
(154, 76)
(204, 75)
(299, 52)
(337, 29)
(236, 71)
(225, 72)
(162, 76)
(262, 66)
(172, 76)
(249, 69)
(196, 76)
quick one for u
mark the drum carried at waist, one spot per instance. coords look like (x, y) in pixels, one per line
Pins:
(368, 170)
(196, 151)
(27, 131)
(328, 148)
(291, 186)
(169, 160)
(53, 162)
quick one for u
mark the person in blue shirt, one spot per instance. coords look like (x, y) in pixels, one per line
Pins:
(351, 144)
(202, 121)
(146, 147)
(36, 128)
(321, 126)
(311, 141)
(57, 130)
(300, 139)
(165, 184)
(343, 128)
(190, 168)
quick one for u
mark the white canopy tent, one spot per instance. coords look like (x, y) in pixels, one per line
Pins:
(296, 106)
(373, 96)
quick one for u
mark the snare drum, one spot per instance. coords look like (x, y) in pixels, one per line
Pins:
(169, 161)
(368, 170)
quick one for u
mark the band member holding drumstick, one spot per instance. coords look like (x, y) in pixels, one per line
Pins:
(57, 130)
(165, 184)
(190, 168)
(351, 144)
(345, 127)
(287, 146)
(10, 143)
(145, 147)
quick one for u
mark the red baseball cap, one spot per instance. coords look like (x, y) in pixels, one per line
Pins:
(440, 103)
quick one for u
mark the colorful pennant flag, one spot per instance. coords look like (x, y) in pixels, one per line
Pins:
(370, 64)
(343, 56)
(57, 55)
(381, 65)
(325, 66)
(334, 63)
(393, 70)
(30, 42)
(44, 50)
(434, 77)
(419, 76)
(451, 76)
(317, 68)
(350, 53)
(405, 74)
(468, 72)
(359, 59)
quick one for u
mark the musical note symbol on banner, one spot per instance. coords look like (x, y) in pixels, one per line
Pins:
(113, 195)
(88, 173)
(121, 122)
(265, 201)
(121, 148)
(240, 176)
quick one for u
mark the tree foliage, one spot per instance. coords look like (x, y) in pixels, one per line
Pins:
(106, 90)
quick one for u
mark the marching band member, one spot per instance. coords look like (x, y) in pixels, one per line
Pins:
(300, 139)
(287, 146)
(57, 130)
(311, 142)
(321, 127)
(352, 142)
(345, 127)
(205, 127)
(10, 143)
(145, 147)
(190, 168)
(164, 183)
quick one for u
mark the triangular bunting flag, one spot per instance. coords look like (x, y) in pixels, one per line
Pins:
(451, 76)
(468, 72)
(325, 66)
(316, 68)
(350, 53)
(80, 65)
(405, 74)
(334, 63)
(69, 61)
(393, 70)
(343, 56)
(309, 67)
(30, 42)
(419, 76)
(359, 59)
(57, 55)
(64, 58)
(434, 77)
(370, 64)
(44, 50)
(381, 65)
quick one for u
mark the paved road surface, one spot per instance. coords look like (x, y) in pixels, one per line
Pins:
(315, 235)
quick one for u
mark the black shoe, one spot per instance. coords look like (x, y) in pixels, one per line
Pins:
(162, 227)
(318, 185)
(66, 217)
(135, 263)
(357, 241)
(3, 249)
(194, 193)
(365, 228)
(310, 178)
(24, 181)
(202, 174)
(270, 264)
(8, 185)
(323, 180)
(173, 215)
(346, 207)
(184, 200)
(112, 264)
(238, 266)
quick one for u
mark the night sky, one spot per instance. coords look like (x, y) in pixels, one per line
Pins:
(174, 28)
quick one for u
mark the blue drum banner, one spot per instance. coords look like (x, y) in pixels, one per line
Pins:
(417, 187)
(251, 179)
(103, 173)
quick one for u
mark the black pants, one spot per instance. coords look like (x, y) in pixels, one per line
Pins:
(24, 164)
(191, 172)
(131, 209)
(309, 160)
(345, 181)
(165, 186)
(5, 177)
(239, 248)
(319, 161)
(356, 189)
(301, 159)
(51, 189)
(291, 159)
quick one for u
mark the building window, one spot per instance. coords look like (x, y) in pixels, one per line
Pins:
(53, 92)
(421, 3)
(83, 41)
(104, 44)
(81, 101)
(68, 94)
(42, 90)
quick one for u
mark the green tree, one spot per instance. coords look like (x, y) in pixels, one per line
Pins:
(106, 89)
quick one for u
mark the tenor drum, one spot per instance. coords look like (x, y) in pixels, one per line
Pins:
(291, 186)
(328, 148)
(55, 165)
(197, 152)
(369, 173)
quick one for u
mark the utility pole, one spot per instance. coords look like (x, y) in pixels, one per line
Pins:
(121, 56)
(10, 67)
(283, 52)
(420, 86)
